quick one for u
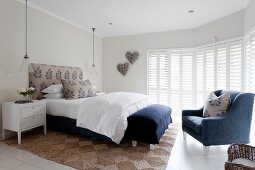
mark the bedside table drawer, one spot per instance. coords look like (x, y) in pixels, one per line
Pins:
(32, 111)
(30, 122)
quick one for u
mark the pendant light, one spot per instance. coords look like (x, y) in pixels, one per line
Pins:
(93, 67)
(26, 66)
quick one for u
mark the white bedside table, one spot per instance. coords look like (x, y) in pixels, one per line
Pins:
(22, 117)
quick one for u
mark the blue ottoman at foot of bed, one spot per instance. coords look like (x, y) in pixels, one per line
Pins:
(148, 125)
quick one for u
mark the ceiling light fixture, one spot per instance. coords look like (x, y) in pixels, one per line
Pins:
(191, 11)
(110, 23)
(26, 66)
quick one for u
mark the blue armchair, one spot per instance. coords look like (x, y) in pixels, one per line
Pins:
(232, 127)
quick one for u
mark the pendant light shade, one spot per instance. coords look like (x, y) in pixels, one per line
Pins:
(25, 65)
(93, 70)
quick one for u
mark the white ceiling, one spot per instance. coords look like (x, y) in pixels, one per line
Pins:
(138, 16)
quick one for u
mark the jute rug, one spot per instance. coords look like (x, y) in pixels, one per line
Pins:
(86, 153)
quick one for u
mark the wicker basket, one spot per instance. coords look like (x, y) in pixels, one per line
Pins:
(240, 151)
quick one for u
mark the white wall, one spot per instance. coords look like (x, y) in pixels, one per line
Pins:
(249, 16)
(51, 41)
(114, 50)
(225, 28)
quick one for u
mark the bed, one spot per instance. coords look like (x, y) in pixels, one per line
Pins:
(105, 114)
(83, 116)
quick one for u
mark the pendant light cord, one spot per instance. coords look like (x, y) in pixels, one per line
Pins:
(26, 27)
(93, 65)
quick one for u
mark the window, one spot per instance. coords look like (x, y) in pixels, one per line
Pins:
(186, 79)
(250, 69)
(158, 77)
(183, 78)
(175, 80)
(250, 62)
(209, 70)
(235, 64)
(221, 68)
(200, 78)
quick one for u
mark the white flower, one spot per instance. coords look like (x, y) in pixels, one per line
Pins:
(22, 90)
(32, 88)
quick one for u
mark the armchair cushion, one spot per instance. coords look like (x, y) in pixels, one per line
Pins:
(193, 122)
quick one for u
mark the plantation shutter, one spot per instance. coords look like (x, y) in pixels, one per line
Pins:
(235, 66)
(187, 79)
(158, 77)
(175, 80)
(221, 68)
(163, 79)
(200, 77)
(153, 76)
(250, 62)
(209, 71)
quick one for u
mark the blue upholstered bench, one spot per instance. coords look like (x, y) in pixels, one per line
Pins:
(148, 125)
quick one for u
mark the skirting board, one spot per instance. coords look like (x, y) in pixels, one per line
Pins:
(8, 134)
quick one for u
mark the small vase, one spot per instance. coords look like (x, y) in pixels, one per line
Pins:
(24, 98)
(30, 98)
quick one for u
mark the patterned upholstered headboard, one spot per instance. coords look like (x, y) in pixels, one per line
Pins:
(47, 75)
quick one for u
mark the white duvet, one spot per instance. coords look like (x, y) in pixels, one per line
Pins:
(107, 114)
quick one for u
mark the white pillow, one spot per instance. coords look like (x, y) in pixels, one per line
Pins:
(216, 106)
(58, 88)
(54, 95)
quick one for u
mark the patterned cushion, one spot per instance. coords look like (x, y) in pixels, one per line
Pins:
(77, 89)
(216, 105)
(47, 75)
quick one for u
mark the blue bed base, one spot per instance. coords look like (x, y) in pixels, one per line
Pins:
(67, 125)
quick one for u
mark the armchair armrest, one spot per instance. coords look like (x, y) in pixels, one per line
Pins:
(212, 121)
(209, 124)
(198, 112)
(214, 130)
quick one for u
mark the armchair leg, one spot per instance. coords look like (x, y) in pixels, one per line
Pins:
(206, 150)
(184, 134)
(134, 143)
(152, 147)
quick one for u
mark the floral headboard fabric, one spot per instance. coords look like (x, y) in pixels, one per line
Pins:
(47, 75)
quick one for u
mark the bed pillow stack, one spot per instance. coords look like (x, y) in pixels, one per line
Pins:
(53, 92)
(77, 89)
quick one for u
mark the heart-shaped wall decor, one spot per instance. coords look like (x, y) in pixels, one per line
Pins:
(123, 68)
(132, 57)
